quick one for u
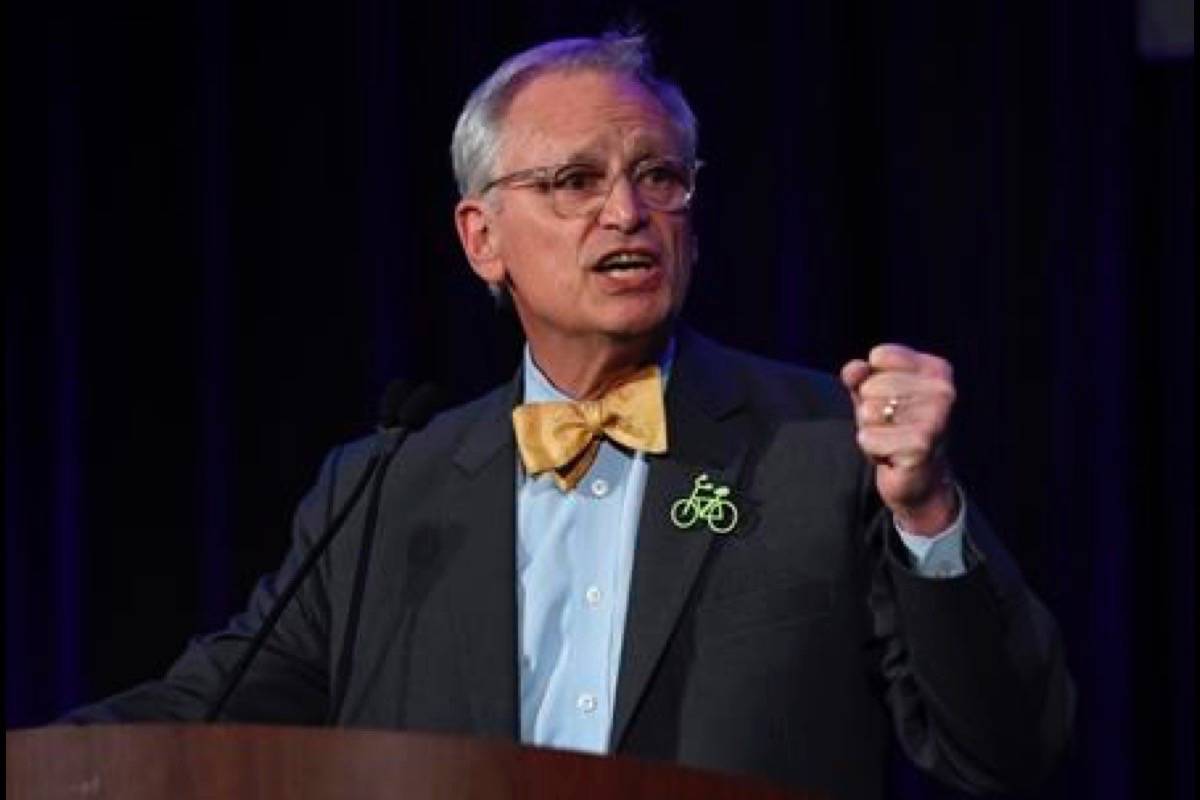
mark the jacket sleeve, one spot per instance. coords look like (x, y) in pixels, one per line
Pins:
(288, 681)
(974, 667)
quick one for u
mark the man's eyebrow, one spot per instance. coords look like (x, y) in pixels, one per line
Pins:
(647, 145)
(642, 152)
(651, 147)
(588, 154)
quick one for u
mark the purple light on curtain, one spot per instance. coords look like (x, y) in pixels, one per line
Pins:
(1088, 259)
(385, 191)
(216, 351)
(16, 561)
(65, 601)
(791, 263)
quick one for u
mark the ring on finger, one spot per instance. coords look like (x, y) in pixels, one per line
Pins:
(889, 410)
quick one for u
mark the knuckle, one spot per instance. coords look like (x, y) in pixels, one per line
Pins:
(870, 387)
(932, 365)
(941, 389)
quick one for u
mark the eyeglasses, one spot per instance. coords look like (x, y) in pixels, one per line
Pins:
(581, 189)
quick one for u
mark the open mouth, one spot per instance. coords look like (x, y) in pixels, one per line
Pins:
(626, 262)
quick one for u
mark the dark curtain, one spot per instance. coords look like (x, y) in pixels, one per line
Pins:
(230, 224)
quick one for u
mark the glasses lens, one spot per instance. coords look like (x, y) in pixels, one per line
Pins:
(664, 185)
(578, 189)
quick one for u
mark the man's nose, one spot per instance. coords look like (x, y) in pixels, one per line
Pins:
(623, 209)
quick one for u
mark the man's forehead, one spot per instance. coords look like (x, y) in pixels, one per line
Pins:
(585, 113)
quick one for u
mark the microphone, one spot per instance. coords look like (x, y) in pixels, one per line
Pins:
(396, 420)
(402, 410)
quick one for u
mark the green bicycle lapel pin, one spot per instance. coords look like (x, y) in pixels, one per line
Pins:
(707, 502)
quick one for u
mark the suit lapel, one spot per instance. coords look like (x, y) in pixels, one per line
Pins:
(700, 406)
(667, 559)
(484, 590)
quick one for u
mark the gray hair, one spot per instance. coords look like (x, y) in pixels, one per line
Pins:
(478, 131)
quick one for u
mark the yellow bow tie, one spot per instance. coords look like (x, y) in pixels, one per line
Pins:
(564, 437)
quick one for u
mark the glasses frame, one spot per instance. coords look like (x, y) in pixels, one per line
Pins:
(545, 178)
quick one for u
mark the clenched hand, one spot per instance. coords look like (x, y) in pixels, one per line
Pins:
(902, 401)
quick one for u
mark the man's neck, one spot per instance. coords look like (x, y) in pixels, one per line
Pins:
(585, 370)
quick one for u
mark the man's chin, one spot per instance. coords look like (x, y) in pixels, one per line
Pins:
(651, 330)
(641, 316)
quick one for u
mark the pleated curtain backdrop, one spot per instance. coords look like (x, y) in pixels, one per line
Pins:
(230, 225)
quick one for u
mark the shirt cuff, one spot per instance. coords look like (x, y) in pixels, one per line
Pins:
(939, 556)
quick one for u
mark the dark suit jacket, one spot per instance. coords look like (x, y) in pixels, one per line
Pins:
(788, 649)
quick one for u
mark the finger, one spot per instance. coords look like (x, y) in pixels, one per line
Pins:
(890, 384)
(877, 411)
(927, 414)
(854, 373)
(903, 447)
(893, 357)
(906, 386)
(897, 357)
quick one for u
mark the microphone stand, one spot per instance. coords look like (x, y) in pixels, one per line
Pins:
(398, 419)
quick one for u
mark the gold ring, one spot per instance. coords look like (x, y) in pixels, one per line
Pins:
(889, 410)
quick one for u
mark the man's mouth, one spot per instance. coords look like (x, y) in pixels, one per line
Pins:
(624, 262)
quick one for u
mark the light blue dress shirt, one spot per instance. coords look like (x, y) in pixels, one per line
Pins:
(574, 563)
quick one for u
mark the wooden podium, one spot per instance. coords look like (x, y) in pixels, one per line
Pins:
(138, 762)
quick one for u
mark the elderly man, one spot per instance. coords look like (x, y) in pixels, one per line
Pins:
(648, 543)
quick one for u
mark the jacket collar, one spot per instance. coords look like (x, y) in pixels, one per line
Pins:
(702, 405)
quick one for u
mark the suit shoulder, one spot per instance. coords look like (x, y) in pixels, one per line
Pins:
(441, 433)
(450, 424)
(784, 385)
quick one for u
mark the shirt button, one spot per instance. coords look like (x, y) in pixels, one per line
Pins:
(593, 596)
(943, 569)
(586, 703)
(599, 487)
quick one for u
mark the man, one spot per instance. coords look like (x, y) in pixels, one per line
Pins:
(722, 579)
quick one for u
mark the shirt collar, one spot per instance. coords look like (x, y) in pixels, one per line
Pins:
(538, 388)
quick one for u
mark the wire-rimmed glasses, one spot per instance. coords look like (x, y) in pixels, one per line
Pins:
(580, 189)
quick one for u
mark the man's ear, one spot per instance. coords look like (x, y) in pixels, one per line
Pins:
(480, 242)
